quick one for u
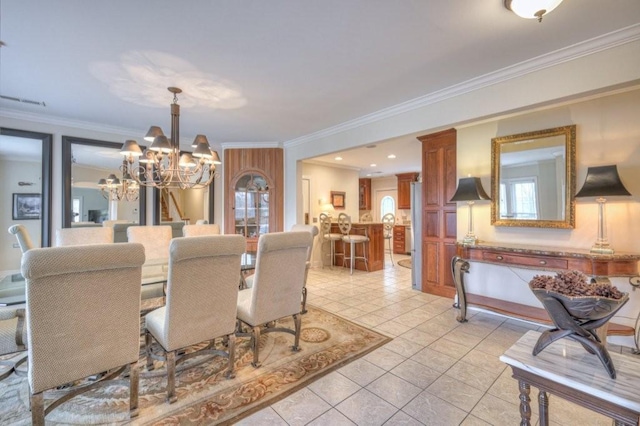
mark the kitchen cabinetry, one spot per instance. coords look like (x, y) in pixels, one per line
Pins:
(404, 189)
(254, 202)
(399, 240)
(365, 194)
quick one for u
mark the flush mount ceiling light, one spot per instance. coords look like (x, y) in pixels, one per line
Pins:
(530, 9)
(391, 156)
(338, 158)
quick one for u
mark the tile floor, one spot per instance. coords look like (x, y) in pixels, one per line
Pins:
(435, 371)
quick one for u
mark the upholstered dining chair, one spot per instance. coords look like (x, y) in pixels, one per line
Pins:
(313, 230)
(202, 292)
(83, 316)
(331, 237)
(344, 223)
(156, 240)
(200, 230)
(79, 236)
(202, 222)
(23, 237)
(13, 338)
(277, 285)
(388, 222)
(110, 223)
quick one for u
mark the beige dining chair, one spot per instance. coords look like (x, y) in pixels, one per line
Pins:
(79, 236)
(83, 316)
(22, 236)
(13, 338)
(277, 286)
(156, 240)
(313, 230)
(110, 223)
(200, 230)
(202, 292)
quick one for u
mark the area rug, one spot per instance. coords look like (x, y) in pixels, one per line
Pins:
(204, 395)
(405, 263)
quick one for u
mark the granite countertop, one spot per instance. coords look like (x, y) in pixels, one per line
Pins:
(553, 251)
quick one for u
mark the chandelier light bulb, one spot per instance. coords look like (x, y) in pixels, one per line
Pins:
(531, 9)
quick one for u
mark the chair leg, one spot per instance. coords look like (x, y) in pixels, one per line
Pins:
(391, 253)
(231, 344)
(37, 409)
(352, 247)
(256, 346)
(147, 348)
(304, 300)
(134, 383)
(296, 342)
(171, 377)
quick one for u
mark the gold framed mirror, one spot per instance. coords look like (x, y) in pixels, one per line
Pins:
(533, 179)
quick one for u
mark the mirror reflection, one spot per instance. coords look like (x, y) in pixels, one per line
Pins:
(533, 179)
(98, 191)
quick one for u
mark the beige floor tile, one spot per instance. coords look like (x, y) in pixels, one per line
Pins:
(416, 373)
(332, 417)
(371, 320)
(404, 347)
(402, 419)
(301, 407)
(334, 388)
(448, 347)
(459, 335)
(384, 358)
(351, 313)
(433, 411)
(472, 420)
(472, 375)
(264, 417)
(392, 328)
(366, 408)
(419, 337)
(495, 411)
(394, 390)
(434, 359)
(361, 371)
(455, 392)
(485, 361)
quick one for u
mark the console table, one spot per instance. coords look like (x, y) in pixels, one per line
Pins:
(567, 370)
(539, 258)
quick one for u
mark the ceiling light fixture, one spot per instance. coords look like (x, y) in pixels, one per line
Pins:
(530, 9)
(338, 158)
(391, 156)
(114, 189)
(373, 165)
(162, 165)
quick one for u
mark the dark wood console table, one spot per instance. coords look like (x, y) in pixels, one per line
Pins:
(539, 258)
(566, 370)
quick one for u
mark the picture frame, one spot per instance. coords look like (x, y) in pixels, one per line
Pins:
(338, 199)
(26, 206)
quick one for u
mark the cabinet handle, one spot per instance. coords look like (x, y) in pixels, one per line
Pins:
(543, 262)
(499, 257)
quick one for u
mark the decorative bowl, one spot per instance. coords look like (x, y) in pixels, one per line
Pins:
(584, 307)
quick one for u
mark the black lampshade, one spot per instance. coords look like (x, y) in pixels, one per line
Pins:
(602, 181)
(470, 189)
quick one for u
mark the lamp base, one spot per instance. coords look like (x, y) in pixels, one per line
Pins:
(470, 240)
(601, 249)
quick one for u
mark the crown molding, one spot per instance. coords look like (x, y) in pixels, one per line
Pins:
(335, 166)
(584, 48)
(245, 145)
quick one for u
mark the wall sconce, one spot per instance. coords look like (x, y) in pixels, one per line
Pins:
(601, 182)
(470, 190)
(530, 9)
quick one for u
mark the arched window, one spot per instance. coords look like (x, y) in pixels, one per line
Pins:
(387, 205)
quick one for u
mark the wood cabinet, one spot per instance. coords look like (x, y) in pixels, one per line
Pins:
(253, 181)
(404, 189)
(365, 194)
(399, 239)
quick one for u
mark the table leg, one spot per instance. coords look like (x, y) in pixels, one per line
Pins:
(525, 408)
(543, 405)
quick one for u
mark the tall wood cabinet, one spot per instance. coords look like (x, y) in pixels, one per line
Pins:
(404, 189)
(439, 224)
(253, 180)
(365, 194)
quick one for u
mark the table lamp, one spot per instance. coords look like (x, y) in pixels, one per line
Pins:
(602, 182)
(470, 190)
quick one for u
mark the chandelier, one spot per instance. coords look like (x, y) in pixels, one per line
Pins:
(162, 165)
(531, 9)
(114, 189)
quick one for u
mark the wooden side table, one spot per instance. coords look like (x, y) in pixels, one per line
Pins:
(566, 370)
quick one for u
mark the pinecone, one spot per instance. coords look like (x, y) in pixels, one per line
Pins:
(574, 283)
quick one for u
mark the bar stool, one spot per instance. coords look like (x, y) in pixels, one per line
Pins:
(344, 222)
(388, 222)
(327, 235)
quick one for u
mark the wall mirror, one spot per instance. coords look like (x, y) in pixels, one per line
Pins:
(183, 205)
(533, 179)
(84, 202)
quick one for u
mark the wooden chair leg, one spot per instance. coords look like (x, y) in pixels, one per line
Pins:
(37, 409)
(171, 377)
(298, 323)
(256, 346)
(147, 348)
(134, 383)
(231, 344)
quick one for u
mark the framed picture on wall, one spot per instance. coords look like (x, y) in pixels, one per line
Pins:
(26, 206)
(337, 199)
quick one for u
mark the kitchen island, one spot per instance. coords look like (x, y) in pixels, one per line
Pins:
(374, 248)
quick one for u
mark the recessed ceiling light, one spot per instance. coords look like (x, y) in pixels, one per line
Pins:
(338, 158)
(368, 174)
(392, 156)
(373, 165)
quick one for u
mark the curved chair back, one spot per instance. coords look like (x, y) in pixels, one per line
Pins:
(325, 224)
(202, 289)
(366, 217)
(23, 237)
(155, 239)
(200, 230)
(79, 236)
(279, 277)
(312, 229)
(344, 223)
(113, 222)
(78, 297)
(388, 222)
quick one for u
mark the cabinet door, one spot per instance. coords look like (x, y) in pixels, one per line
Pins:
(404, 194)
(365, 194)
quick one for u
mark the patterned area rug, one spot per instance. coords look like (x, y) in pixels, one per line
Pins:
(204, 395)
(405, 263)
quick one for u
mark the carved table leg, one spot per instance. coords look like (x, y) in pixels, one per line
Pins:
(525, 408)
(543, 405)
(460, 266)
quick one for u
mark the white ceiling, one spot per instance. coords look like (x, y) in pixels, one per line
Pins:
(266, 71)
